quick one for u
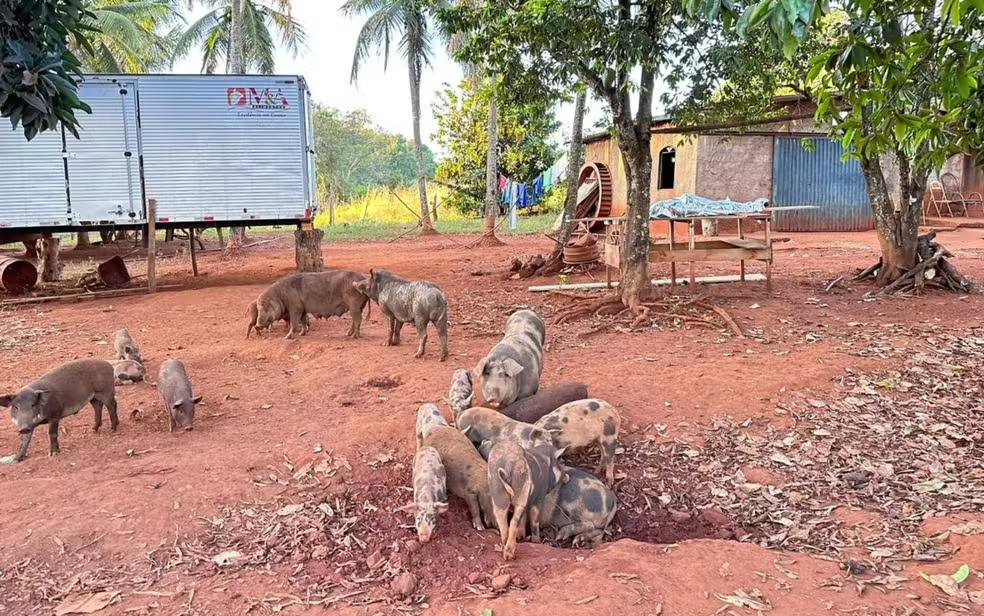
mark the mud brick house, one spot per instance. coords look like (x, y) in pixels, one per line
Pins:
(764, 159)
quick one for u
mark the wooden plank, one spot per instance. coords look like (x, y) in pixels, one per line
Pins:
(658, 282)
(713, 254)
(741, 238)
(152, 245)
(691, 229)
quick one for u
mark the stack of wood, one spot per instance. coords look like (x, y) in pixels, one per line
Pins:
(931, 270)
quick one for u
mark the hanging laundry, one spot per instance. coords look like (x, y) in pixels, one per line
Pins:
(537, 189)
(547, 176)
(502, 183)
(506, 192)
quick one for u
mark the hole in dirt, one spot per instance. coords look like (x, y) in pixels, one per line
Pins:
(384, 382)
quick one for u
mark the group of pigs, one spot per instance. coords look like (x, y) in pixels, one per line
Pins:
(67, 389)
(504, 459)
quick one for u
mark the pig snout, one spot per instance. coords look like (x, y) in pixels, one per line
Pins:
(187, 428)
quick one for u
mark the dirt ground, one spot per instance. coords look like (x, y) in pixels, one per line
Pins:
(286, 495)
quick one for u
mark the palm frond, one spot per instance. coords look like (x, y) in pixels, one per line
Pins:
(199, 32)
(378, 32)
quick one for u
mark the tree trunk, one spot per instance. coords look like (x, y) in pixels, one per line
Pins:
(898, 227)
(236, 65)
(638, 162)
(82, 240)
(491, 178)
(237, 238)
(575, 155)
(307, 250)
(48, 259)
(418, 146)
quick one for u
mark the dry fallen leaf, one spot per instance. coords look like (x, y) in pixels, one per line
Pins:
(229, 557)
(88, 604)
(290, 509)
(944, 582)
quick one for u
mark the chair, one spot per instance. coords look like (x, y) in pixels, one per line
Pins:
(952, 190)
(939, 200)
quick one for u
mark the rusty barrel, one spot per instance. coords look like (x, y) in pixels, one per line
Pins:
(17, 275)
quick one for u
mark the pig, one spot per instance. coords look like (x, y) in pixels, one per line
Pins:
(60, 393)
(481, 424)
(511, 370)
(175, 389)
(428, 416)
(128, 371)
(467, 472)
(429, 491)
(520, 478)
(583, 423)
(545, 401)
(321, 294)
(582, 507)
(408, 301)
(125, 347)
(461, 394)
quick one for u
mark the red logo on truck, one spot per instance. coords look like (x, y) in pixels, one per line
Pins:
(256, 98)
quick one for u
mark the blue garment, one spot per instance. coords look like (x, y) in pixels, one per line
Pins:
(522, 198)
(537, 190)
(507, 192)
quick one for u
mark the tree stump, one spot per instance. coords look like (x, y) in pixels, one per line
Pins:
(307, 250)
(48, 259)
(708, 227)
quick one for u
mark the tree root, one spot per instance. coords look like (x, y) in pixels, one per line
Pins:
(933, 270)
(642, 315)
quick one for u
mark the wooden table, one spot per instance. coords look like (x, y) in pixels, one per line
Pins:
(698, 249)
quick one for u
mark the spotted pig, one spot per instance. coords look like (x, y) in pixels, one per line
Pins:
(429, 491)
(581, 508)
(583, 423)
(428, 416)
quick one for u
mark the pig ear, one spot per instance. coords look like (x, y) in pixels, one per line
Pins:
(6, 399)
(196, 399)
(40, 395)
(408, 508)
(465, 431)
(559, 453)
(511, 367)
(177, 403)
(371, 272)
(480, 367)
(441, 507)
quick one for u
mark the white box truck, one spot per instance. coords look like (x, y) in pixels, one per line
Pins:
(212, 150)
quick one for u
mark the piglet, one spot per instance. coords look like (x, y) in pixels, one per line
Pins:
(125, 347)
(175, 389)
(481, 424)
(584, 423)
(461, 394)
(429, 491)
(428, 416)
(128, 371)
(581, 508)
(58, 394)
(467, 473)
(519, 479)
(532, 409)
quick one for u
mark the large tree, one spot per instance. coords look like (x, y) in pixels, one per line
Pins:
(524, 130)
(408, 23)
(616, 49)
(897, 82)
(38, 91)
(131, 36)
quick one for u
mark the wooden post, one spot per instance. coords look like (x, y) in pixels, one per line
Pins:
(672, 256)
(741, 236)
(331, 207)
(768, 264)
(693, 265)
(194, 254)
(152, 245)
(307, 249)
(218, 231)
(48, 258)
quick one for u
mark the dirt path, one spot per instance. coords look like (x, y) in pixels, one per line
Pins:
(298, 423)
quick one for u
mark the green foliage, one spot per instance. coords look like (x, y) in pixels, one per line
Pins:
(404, 22)
(785, 22)
(354, 155)
(38, 71)
(524, 134)
(261, 21)
(131, 36)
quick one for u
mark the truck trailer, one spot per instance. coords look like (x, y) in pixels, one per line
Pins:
(210, 150)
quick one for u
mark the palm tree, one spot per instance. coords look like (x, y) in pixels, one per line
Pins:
(240, 34)
(130, 36)
(408, 23)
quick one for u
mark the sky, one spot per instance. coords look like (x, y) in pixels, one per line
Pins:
(327, 62)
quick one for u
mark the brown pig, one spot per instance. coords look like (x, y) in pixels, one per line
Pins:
(519, 479)
(532, 409)
(428, 416)
(582, 507)
(321, 294)
(59, 393)
(429, 491)
(467, 472)
(583, 423)
(175, 389)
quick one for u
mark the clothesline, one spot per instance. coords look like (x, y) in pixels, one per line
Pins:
(521, 195)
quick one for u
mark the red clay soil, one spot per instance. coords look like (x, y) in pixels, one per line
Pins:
(111, 499)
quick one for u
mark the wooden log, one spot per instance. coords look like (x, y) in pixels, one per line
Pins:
(307, 250)
(50, 268)
(870, 271)
(152, 245)
(194, 255)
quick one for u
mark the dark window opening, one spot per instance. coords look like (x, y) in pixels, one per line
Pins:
(667, 168)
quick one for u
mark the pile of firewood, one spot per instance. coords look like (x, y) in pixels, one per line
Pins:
(931, 270)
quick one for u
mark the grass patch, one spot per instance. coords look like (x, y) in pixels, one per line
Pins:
(374, 230)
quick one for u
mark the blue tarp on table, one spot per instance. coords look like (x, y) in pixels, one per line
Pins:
(692, 206)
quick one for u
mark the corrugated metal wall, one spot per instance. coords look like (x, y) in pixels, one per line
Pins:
(104, 163)
(228, 147)
(32, 179)
(821, 179)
